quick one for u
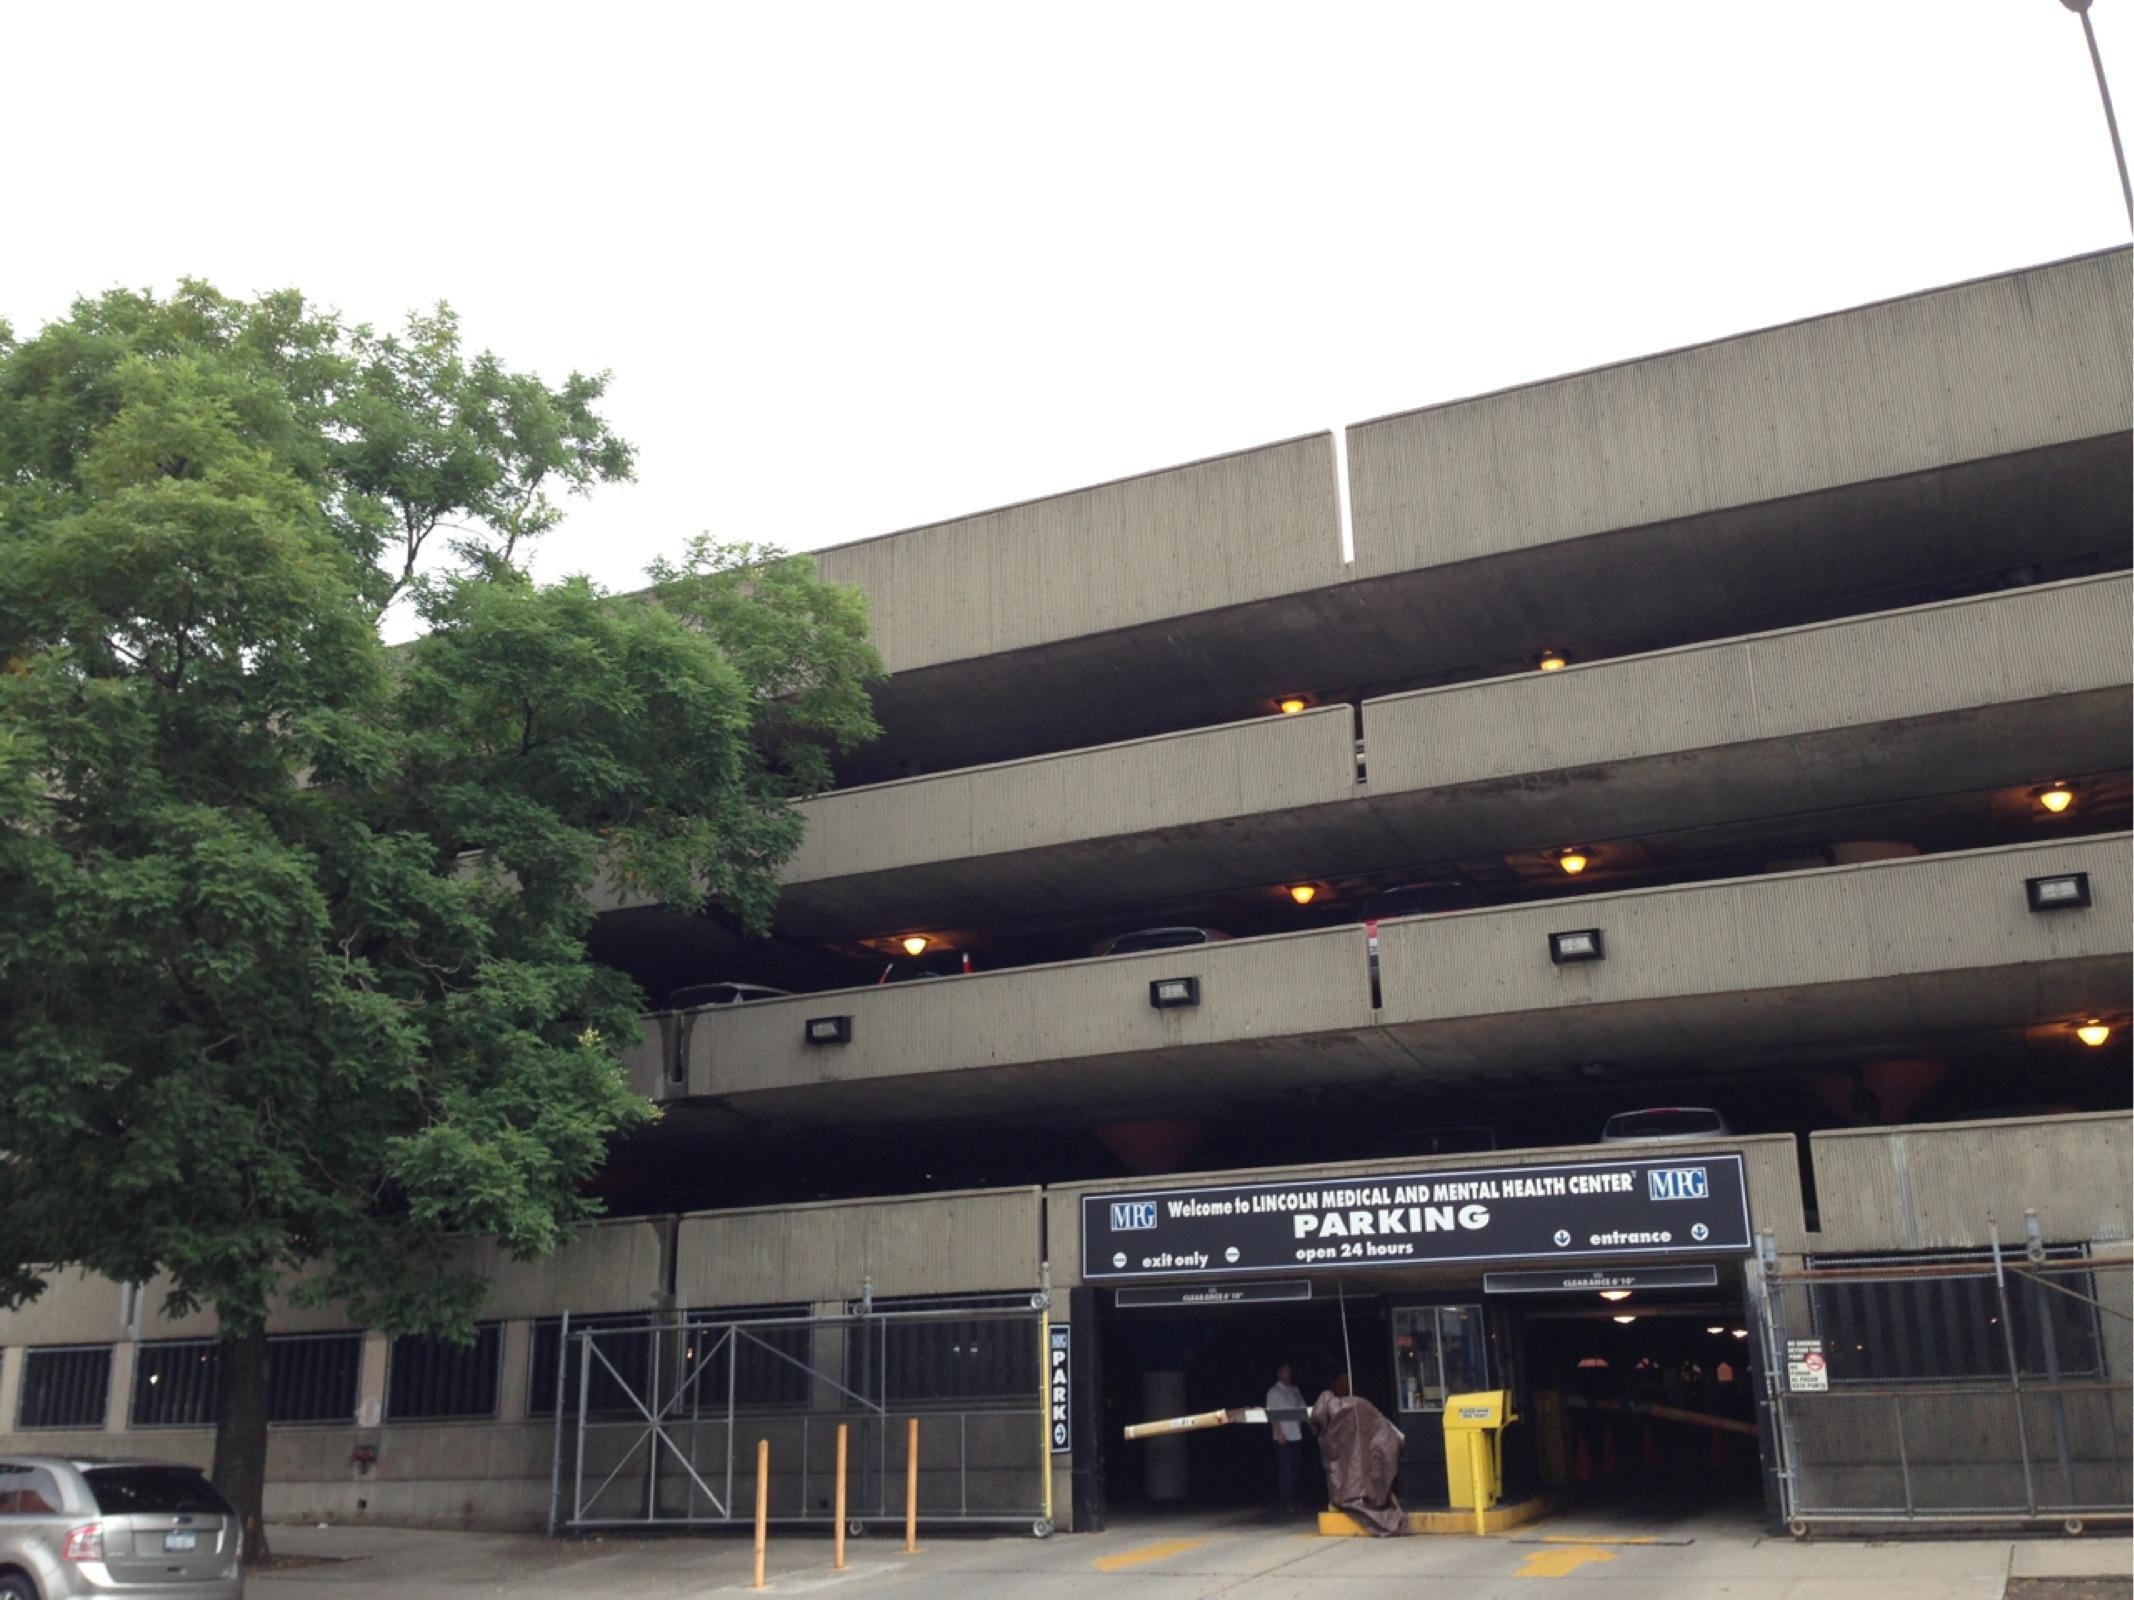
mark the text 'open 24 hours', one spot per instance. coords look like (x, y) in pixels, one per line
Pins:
(1675, 1205)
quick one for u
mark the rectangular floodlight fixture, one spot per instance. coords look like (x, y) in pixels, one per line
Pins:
(1578, 944)
(2062, 891)
(1166, 993)
(829, 1030)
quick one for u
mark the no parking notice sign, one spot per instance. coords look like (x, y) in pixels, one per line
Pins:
(1806, 1371)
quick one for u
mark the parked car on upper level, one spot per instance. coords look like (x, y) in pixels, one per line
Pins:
(1448, 1139)
(1126, 944)
(937, 964)
(682, 1004)
(1428, 898)
(75, 1525)
(1664, 1125)
(690, 996)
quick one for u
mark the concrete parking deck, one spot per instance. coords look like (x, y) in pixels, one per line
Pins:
(1188, 1558)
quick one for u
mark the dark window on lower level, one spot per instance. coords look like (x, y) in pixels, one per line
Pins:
(177, 1383)
(65, 1386)
(947, 1359)
(769, 1359)
(311, 1377)
(1929, 1326)
(433, 1378)
(621, 1365)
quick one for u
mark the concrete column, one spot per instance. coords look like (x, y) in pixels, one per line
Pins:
(11, 1360)
(514, 1354)
(118, 1412)
(828, 1359)
(370, 1380)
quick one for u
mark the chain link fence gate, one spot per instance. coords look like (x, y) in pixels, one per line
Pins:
(1961, 1387)
(657, 1417)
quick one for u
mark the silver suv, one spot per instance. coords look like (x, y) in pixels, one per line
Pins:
(74, 1525)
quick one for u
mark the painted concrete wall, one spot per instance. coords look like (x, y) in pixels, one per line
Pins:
(1838, 925)
(1889, 667)
(1142, 786)
(963, 1243)
(1934, 1187)
(1980, 369)
(1252, 991)
(1193, 538)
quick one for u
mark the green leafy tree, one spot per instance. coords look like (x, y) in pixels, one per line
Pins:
(292, 970)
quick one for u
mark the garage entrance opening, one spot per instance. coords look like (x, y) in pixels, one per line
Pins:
(1652, 1405)
(1176, 1360)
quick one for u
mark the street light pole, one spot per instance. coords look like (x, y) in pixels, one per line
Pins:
(2081, 8)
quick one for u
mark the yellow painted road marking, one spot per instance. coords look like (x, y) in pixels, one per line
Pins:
(1148, 1552)
(1562, 1561)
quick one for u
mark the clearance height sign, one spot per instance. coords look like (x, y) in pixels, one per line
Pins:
(1673, 1205)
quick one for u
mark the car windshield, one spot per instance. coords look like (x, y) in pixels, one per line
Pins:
(1157, 939)
(121, 1490)
(720, 994)
(1422, 899)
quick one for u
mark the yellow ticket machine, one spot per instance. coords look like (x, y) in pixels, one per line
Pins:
(1474, 1448)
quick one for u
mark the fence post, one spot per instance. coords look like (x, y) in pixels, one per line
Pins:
(838, 1538)
(1904, 1458)
(1764, 1284)
(911, 1488)
(2041, 1297)
(763, 1501)
(555, 1459)
(1044, 1390)
(2015, 1368)
(657, 1338)
(585, 1385)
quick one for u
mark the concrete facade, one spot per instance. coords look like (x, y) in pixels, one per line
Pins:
(1991, 368)
(1754, 482)
(1878, 950)
(1968, 693)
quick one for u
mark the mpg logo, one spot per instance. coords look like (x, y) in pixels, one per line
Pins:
(1669, 1183)
(1129, 1215)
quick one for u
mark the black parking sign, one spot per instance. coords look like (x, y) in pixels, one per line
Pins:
(1056, 1381)
(1648, 1205)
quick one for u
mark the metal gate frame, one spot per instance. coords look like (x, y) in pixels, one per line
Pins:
(667, 1422)
(1768, 1286)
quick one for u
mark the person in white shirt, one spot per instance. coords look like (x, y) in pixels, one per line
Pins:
(1288, 1438)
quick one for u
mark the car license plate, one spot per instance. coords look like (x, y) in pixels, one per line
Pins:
(185, 1540)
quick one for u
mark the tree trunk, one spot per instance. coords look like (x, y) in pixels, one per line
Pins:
(241, 1434)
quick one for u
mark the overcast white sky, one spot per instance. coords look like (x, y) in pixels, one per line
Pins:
(861, 267)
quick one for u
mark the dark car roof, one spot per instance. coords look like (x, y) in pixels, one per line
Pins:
(1423, 898)
(1162, 938)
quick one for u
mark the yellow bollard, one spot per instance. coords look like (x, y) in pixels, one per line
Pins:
(763, 1501)
(840, 1536)
(911, 1489)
